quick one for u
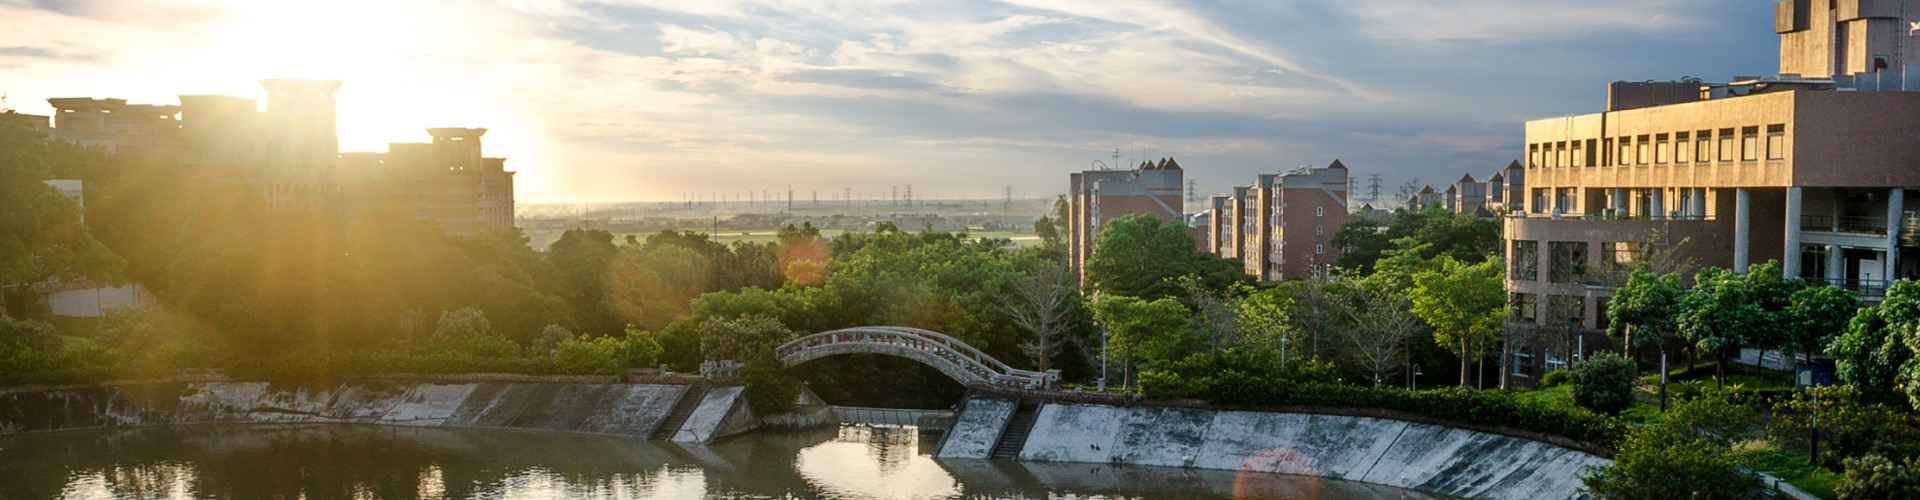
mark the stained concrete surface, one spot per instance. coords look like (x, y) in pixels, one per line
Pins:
(1423, 457)
(623, 409)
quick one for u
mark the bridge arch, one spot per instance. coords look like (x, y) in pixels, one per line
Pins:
(949, 355)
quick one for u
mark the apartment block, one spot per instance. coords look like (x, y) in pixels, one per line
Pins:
(1816, 168)
(449, 181)
(1282, 226)
(1099, 196)
(1502, 192)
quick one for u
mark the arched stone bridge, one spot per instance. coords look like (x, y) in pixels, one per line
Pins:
(952, 357)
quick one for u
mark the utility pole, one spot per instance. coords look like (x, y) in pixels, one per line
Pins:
(846, 196)
(1193, 195)
(909, 197)
(789, 198)
(895, 200)
(1373, 188)
(1008, 204)
(816, 198)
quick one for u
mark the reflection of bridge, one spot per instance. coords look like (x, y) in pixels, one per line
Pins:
(952, 357)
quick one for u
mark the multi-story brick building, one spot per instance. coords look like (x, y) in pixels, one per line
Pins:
(1099, 196)
(1815, 170)
(1282, 226)
(448, 181)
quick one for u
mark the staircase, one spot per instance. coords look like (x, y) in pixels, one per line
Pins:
(682, 409)
(1015, 437)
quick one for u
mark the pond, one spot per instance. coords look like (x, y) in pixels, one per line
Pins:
(342, 461)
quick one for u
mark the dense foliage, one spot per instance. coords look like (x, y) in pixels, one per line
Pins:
(1874, 477)
(1604, 383)
(1684, 457)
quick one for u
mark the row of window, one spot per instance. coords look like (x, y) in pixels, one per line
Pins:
(1704, 146)
(1566, 260)
(1562, 310)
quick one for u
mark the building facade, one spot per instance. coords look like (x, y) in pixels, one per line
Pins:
(1100, 196)
(1282, 226)
(449, 181)
(1818, 174)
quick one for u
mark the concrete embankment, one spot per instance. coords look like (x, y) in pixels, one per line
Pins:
(598, 408)
(1423, 457)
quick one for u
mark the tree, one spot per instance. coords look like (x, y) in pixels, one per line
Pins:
(1265, 318)
(1465, 306)
(1816, 316)
(1870, 355)
(1383, 320)
(1644, 309)
(1685, 457)
(1143, 330)
(1041, 304)
(742, 338)
(42, 235)
(1444, 233)
(465, 322)
(1727, 310)
(1603, 383)
(582, 259)
(1141, 256)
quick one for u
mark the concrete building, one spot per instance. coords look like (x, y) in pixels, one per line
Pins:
(114, 125)
(449, 181)
(1811, 169)
(1099, 196)
(1282, 226)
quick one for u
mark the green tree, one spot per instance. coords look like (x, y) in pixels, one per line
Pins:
(1141, 256)
(1816, 316)
(465, 322)
(42, 235)
(1645, 309)
(1685, 457)
(1141, 331)
(1603, 383)
(742, 338)
(582, 260)
(1465, 306)
(1870, 355)
(1727, 310)
(1461, 236)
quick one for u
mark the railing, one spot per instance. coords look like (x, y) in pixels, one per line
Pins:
(1910, 232)
(1609, 215)
(963, 359)
(1866, 288)
(1844, 224)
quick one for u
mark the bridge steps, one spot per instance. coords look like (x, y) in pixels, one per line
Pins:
(682, 409)
(1019, 426)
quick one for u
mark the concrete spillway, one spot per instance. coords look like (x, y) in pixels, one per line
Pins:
(598, 408)
(1423, 457)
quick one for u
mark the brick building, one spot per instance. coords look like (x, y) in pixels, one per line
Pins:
(1099, 196)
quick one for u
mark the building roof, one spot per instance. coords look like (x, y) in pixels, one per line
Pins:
(1497, 177)
(1467, 179)
(1336, 164)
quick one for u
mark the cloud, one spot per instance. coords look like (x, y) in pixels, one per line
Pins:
(1522, 21)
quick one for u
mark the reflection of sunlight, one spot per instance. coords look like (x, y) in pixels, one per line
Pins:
(848, 468)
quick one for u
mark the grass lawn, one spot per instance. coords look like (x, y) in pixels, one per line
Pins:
(1795, 469)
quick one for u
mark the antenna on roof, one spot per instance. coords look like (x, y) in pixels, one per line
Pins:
(3, 104)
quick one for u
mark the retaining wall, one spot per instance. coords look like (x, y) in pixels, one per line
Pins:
(1422, 457)
(597, 408)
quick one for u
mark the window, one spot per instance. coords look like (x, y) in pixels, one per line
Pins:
(1592, 153)
(1626, 152)
(1533, 156)
(1569, 310)
(1776, 142)
(1578, 156)
(1680, 148)
(1749, 143)
(1566, 261)
(1640, 147)
(1319, 211)
(1524, 262)
(1524, 309)
(1319, 249)
(1606, 146)
(1619, 254)
(1522, 362)
(1319, 230)
(1726, 144)
(1540, 200)
(1662, 149)
(1563, 200)
(1560, 151)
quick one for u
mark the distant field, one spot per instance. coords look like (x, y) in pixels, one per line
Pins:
(770, 236)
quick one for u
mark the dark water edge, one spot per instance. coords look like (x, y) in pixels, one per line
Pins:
(322, 461)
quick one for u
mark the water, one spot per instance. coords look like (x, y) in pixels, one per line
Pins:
(334, 461)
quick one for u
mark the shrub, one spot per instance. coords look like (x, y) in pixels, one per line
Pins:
(596, 356)
(1651, 466)
(771, 387)
(1553, 379)
(639, 348)
(1874, 477)
(1603, 383)
(461, 323)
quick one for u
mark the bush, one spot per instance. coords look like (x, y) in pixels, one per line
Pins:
(1877, 478)
(1553, 379)
(1492, 408)
(1603, 383)
(1650, 466)
(771, 387)
(1198, 374)
(596, 356)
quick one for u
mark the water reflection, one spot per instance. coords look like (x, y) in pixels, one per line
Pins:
(353, 462)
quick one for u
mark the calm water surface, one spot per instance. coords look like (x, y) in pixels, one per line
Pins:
(328, 462)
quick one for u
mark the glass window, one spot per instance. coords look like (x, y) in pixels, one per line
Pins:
(1662, 149)
(1749, 143)
(1726, 144)
(1319, 211)
(1606, 150)
(1533, 156)
(1566, 261)
(1680, 144)
(1776, 142)
(1522, 361)
(1626, 152)
(1703, 147)
(1524, 310)
(1578, 157)
(1600, 312)
(1560, 151)
(1540, 200)
(1524, 264)
(1318, 249)
(1592, 153)
(1569, 310)
(1640, 147)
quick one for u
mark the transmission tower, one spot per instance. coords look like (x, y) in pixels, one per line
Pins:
(909, 196)
(1193, 195)
(1008, 205)
(1373, 189)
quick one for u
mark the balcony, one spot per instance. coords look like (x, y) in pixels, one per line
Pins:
(1871, 289)
(1910, 232)
(1844, 224)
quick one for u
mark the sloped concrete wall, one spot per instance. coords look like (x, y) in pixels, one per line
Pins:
(976, 428)
(1422, 457)
(722, 413)
(599, 408)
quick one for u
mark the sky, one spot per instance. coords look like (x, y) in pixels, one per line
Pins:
(659, 100)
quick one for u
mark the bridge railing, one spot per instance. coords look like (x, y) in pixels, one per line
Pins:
(938, 345)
